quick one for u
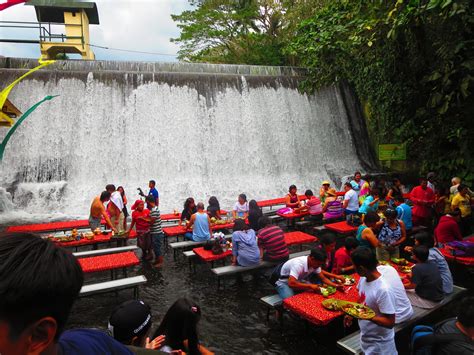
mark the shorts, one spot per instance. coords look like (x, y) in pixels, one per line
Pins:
(117, 222)
(383, 254)
(94, 223)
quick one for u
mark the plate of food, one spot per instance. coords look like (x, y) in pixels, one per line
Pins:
(358, 310)
(327, 290)
(332, 304)
(400, 261)
(405, 269)
(349, 280)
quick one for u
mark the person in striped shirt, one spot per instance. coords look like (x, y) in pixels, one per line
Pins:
(156, 230)
(271, 241)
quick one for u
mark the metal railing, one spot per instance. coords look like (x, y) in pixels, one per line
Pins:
(45, 32)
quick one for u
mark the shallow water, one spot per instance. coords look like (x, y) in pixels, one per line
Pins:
(233, 319)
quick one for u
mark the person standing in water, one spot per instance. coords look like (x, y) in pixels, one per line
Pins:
(153, 192)
(115, 208)
(98, 211)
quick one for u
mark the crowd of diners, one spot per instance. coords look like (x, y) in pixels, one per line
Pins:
(35, 302)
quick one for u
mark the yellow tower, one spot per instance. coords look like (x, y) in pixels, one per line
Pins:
(75, 16)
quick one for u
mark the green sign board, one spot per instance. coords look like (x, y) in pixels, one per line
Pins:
(392, 152)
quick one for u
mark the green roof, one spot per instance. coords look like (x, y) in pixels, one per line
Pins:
(53, 10)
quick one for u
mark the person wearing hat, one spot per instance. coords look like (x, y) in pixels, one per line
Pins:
(323, 191)
(332, 208)
(392, 234)
(130, 323)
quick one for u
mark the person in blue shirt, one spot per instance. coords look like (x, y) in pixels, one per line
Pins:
(201, 224)
(153, 192)
(404, 212)
(39, 283)
(371, 203)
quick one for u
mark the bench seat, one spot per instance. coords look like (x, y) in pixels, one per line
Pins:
(98, 252)
(234, 270)
(351, 343)
(114, 285)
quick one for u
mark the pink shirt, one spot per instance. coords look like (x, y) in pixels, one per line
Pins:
(314, 206)
(342, 259)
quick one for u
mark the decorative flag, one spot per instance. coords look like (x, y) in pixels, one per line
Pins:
(5, 92)
(15, 126)
(6, 4)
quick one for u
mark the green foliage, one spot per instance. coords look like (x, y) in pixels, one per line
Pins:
(411, 62)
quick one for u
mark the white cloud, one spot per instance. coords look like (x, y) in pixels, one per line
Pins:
(141, 25)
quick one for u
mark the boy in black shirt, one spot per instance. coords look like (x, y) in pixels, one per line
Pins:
(425, 289)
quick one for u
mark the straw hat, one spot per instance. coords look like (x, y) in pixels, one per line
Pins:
(325, 182)
(332, 192)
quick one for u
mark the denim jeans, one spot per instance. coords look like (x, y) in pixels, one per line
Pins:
(188, 236)
(284, 290)
(157, 240)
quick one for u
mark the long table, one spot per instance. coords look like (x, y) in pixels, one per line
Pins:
(50, 227)
(109, 262)
(308, 304)
(463, 260)
(176, 231)
(291, 238)
(341, 228)
(98, 239)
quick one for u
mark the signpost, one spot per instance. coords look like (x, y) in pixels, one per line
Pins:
(392, 152)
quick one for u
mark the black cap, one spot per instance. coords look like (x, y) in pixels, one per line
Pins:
(129, 319)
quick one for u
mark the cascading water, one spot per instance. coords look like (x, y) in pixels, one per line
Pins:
(198, 130)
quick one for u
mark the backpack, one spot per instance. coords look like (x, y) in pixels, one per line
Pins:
(424, 339)
(276, 274)
(461, 248)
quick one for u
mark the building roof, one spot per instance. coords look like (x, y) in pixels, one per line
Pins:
(53, 10)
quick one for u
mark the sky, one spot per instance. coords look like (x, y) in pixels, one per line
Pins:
(141, 25)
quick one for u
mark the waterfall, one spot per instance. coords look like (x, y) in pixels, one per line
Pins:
(197, 129)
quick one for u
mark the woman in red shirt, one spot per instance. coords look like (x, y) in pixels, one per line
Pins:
(141, 219)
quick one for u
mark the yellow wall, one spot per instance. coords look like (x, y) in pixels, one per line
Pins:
(49, 50)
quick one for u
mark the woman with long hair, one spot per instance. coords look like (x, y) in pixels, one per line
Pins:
(214, 208)
(254, 215)
(188, 210)
(125, 211)
(179, 326)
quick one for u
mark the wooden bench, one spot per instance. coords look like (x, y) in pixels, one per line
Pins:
(83, 254)
(351, 343)
(114, 286)
(234, 270)
(189, 244)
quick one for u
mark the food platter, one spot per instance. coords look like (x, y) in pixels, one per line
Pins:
(400, 261)
(358, 310)
(405, 269)
(327, 290)
(332, 304)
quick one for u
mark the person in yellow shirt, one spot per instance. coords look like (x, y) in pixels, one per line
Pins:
(463, 201)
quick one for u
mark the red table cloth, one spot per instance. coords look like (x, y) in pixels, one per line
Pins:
(108, 262)
(308, 304)
(276, 201)
(172, 216)
(292, 238)
(181, 230)
(341, 227)
(50, 227)
(101, 238)
(207, 255)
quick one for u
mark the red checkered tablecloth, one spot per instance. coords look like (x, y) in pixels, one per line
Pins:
(49, 227)
(207, 255)
(101, 238)
(181, 230)
(308, 304)
(341, 227)
(108, 262)
(292, 238)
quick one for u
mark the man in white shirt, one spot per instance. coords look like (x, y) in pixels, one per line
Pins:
(351, 201)
(403, 308)
(377, 336)
(295, 274)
